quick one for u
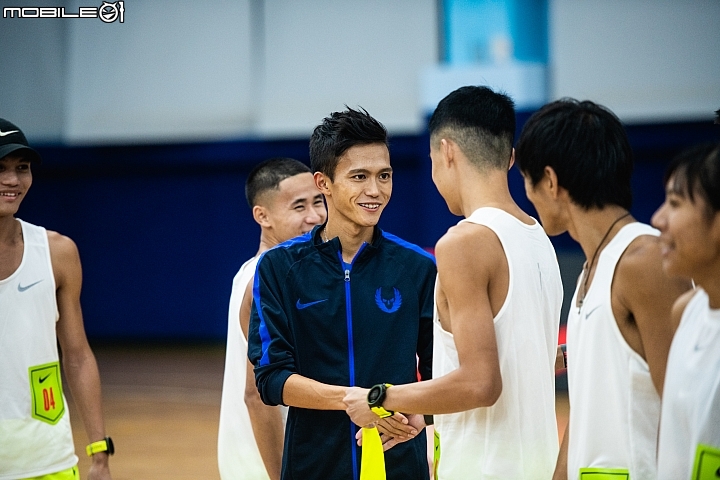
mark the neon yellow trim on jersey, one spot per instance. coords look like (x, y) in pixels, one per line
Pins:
(69, 474)
(48, 403)
(604, 474)
(372, 464)
(707, 463)
(436, 452)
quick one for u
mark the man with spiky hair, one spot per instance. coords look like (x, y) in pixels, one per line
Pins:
(498, 301)
(285, 203)
(347, 304)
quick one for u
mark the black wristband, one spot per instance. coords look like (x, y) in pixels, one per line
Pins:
(429, 420)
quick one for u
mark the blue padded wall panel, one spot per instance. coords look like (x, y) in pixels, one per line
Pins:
(163, 229)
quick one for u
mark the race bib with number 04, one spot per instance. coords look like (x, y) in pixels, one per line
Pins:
(46, 391)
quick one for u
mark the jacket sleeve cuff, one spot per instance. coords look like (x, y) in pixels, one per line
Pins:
(273, 391)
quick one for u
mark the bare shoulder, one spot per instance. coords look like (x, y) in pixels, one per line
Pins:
(644, 248)
(641, 263)
(64, 255)
(61, 245)
(469, 247)
(468, 239)
(680, 304)
(641, 278)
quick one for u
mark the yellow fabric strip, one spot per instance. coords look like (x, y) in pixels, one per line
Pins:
(372, 465)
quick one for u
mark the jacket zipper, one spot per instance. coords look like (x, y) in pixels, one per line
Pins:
(351, 348)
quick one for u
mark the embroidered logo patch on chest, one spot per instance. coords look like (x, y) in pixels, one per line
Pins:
(388, 305)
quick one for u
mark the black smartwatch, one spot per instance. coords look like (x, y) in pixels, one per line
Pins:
(376, 397)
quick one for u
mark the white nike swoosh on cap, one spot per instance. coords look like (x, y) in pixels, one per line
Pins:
(2, 134)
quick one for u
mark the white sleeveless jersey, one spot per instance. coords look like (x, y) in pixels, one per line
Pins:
(31, 442)
(517, 438)
(614, 407)
(238, 454)
(691, 395)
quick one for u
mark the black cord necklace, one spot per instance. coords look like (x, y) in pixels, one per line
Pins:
(587, 268)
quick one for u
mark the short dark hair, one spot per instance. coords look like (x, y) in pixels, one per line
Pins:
(717, 116)
(696, 171)
(268, 174)
(480, 121)
(586, 145)
(338, 133)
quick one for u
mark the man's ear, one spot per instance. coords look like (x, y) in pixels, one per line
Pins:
(447, 149)
(550, 182)
(322, 183)
(512, 159)
(261, 216)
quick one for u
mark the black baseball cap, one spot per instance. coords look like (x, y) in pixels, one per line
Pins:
(12, 139)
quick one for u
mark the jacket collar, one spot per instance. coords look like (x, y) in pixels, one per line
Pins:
(333, 246)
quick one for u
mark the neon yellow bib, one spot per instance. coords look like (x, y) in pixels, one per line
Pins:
(46, 391)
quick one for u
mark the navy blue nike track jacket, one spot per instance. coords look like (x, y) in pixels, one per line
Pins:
(354, 324)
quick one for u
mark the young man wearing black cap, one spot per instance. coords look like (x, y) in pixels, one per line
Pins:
(40, 280)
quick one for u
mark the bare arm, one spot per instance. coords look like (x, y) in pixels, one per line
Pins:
(561, 467)
(643, 289)
(560, 359)
(78, 360)
(266, 420)
(465, 277)
(305, 392)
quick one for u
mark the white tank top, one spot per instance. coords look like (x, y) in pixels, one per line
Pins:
(516, 438)
(614, 407)
(691, 395)
(29, 446)
(238, 453)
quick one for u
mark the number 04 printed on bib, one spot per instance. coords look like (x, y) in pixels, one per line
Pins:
(46, 391)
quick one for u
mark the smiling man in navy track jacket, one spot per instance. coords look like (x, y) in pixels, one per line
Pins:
(345, 305)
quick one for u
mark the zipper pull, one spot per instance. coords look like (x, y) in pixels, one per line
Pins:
(347, 275)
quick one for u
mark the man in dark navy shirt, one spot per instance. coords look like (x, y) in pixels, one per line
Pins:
(345, 305)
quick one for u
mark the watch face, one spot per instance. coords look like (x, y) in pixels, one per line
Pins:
(373, 395)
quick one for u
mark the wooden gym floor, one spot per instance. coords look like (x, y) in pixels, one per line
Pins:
(162, 406)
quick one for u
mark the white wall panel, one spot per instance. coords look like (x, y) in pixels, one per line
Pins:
(648, 60)
(174, 71)
(322, 54)
(33, 64)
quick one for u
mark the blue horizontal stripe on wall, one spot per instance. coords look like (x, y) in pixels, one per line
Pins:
(162, 229)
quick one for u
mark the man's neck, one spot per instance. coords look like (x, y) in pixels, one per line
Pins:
(267, 241)
(11, 246)
(591, 227)
(352, 236)
(709, 280)
(487, 189)
(9, 230)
